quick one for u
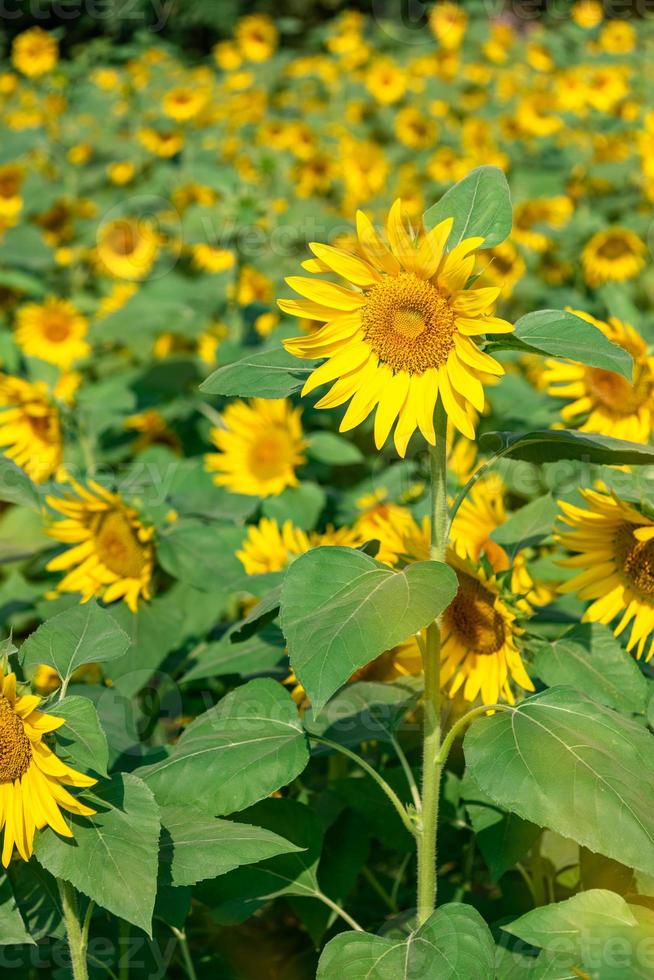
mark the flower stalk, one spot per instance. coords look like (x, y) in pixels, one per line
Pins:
(77, 936)
(432, 766)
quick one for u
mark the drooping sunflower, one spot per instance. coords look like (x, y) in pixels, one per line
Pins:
(53, 331)
(32, 778)
(604, 402)
(269, 548)
(259, 447)
(30, 430)
(127, 248)
(614, 545)
(479, 652)
(403, 335)
(613, 255)
(109, 553)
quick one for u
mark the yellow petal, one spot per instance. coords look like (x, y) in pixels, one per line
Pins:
(430, 252)
(349, 267)
(373, 248)
(390, 403)
(401, 242)
(326, 293)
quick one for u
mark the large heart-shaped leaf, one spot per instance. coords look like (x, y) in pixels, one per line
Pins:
(480, 205)
(562, 761)
(112, 857)
(242, 750)
(79, 635)
(340, 609)
(454, 944)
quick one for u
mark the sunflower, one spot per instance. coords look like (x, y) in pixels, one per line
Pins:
(505, 268)
(163, 144)
(604, 402)
(614, 542)
(448, 22)
(127, 248)
(479, 652)
(109, 550)
(260, 447)
(403, 336)
(53, 331)
(587, 13)
(11, 201)
(32, 778)
(269, 548)
(210, 258)
(30, 431)
(34, 52)
(182, 104)
(612, 255)
(256, 37)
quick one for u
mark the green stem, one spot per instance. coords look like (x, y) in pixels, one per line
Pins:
(458, 727)
(381, 782)
(377, 886)
(186, 953)
(431, 767)
(76, 940)
(404, 762)
(335, 907)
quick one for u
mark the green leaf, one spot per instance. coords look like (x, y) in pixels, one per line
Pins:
(193, 551)
(80, 635)
(364, 711)
(589, 658)
(564, 762)
(453, 944)
(502, 837)
(16, 486)
(245, 748)
(153, 631)
(596, 911)
(38, 899)
(550, 445)
(330, 448)
(82, 742)
(195, 846)
(528, 526)
(559, 333)
(263, 374)
(302, 505)
(480, 205)
(12, 927)
(340, 609)
(112, 857)
(259, 654)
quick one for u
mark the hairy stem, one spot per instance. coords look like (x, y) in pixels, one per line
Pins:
(76, 938)
(431, 767)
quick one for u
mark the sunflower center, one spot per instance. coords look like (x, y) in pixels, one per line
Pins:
(472, 616)
(56, 329)
(118, 547)
(614, 248)
(637, 560)
(408, 323)
(122, 240)
(270, 455)
(15, 746)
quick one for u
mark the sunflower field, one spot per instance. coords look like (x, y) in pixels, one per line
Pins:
(327, 492)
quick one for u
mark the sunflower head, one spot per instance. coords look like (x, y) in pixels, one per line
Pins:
(30, 431)
(127, 247)
(53, 331)
(399, 335)
(259, 446)
(31, 775)
(109, 553)
(613, 255)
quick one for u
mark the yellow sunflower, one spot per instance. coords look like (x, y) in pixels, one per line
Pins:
(30, 431)
(256, 37)
(53, 331)
(614, 542)
(448, 22)
(109, 550)
(602, 401)
(269, 548)
(505, 268)
(32, 778)
(479, 652)
(34, 52)
(403, 335)
(210, 258)
(184, 103)
(127, 248)
(260, 447)
(613, 255)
